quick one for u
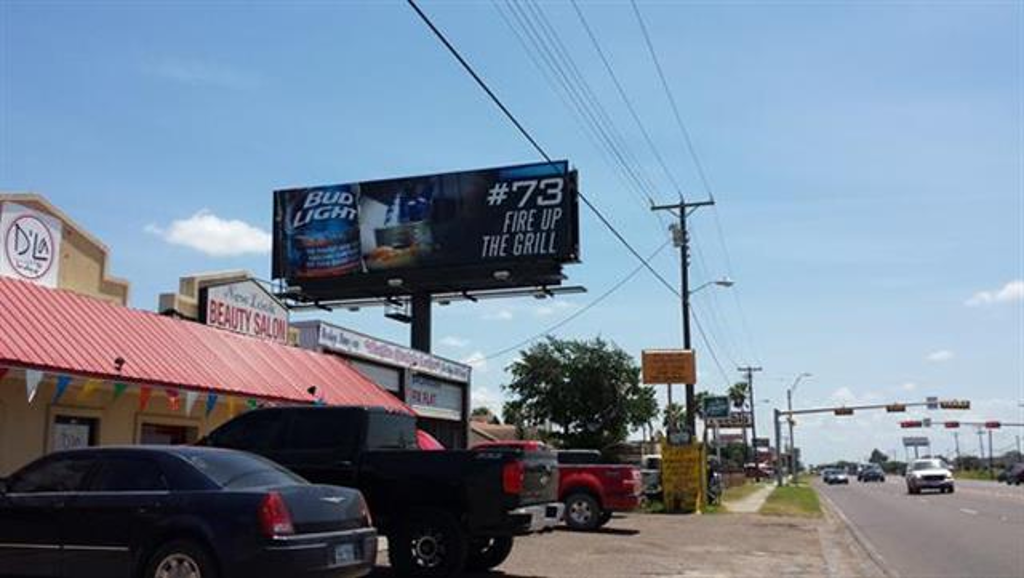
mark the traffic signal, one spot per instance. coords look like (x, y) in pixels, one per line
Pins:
(843, 411)
(955, 404)
(910, 423)
(896, 408)
(993, 425)
(952, 424)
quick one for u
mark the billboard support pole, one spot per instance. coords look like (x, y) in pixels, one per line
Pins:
(421, 313)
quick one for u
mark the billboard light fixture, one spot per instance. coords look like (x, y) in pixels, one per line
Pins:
(395, 282)
(502, 275)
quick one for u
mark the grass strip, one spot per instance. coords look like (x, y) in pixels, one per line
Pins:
(800, 501)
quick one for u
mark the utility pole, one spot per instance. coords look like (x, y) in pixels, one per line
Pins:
(749, 371)
(778, 444)
(1018, 447)
(991, 462)
(956, 442)
(981, 444)
(682, 240)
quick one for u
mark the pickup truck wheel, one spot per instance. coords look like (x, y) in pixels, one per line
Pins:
(582, 512)
(429, 544)
(487, 553)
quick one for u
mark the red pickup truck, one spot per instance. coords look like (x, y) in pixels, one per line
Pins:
(591, 490)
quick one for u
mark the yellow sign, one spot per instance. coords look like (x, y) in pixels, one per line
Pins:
(682, 477)
(669, 366)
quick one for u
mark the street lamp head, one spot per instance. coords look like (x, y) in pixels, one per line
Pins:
(725, 282)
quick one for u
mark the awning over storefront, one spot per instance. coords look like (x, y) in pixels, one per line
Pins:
(60, 331)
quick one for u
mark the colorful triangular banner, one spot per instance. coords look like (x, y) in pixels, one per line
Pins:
(119, 389)
(144, 394)
(232, 406)
(32, 379)
(3, 372)
(63, 381)
(173, 399)
(211, 402)
(252, 403)
(88, 387)
(190, 401)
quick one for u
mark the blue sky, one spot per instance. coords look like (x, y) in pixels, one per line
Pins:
(866, 158)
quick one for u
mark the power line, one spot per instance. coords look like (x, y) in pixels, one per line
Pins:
(546, 42)
(702, 174)
(579, 312)
(522, 130)
(626, 99)
(672, 102)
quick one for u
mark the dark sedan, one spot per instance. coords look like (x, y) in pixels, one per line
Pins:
(177, 512)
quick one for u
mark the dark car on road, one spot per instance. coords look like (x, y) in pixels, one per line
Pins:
(442, 511)
(1014, 475)
(181, 512)
(871, 474)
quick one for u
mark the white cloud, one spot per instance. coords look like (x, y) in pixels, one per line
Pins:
(844, 395)
(553, 307)
(909, 386)
(453, 341)
(940, 356)
(203, 73)
(500, 315)
(214, 236)
(1012, 291)
(477, 361)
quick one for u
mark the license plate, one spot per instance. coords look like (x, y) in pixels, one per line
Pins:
(345, 553)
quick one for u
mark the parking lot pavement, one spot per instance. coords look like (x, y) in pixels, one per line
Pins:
(713, 546)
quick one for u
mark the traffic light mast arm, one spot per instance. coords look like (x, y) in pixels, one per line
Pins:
(851, 407)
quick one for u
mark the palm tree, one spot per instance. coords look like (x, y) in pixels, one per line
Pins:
(738, 394)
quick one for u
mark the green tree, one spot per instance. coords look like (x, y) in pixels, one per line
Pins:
(738, 394)
(877, 457)
(588, 391)
(485, 413)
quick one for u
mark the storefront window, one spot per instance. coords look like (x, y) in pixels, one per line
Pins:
(70, 432)
(168, 435)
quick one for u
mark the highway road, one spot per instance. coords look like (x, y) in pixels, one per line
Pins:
(976, 532)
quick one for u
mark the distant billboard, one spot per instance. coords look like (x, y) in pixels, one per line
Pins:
(916, 441)
(399, 235)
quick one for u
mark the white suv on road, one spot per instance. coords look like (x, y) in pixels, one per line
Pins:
(929, 473)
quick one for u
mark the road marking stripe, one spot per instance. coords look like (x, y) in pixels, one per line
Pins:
(969, 511)
(873, 554)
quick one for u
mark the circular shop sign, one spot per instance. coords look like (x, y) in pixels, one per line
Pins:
(28, 245)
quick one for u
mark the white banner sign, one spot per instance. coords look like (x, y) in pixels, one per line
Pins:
(30, 242)
(335, 338)
(246, 308)
(433, 398)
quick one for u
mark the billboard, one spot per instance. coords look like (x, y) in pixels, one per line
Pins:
(716, 407)
(347, 239)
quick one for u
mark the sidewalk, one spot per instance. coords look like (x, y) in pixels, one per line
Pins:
(749, 504)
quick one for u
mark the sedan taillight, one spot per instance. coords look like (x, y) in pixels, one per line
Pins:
(275, 519)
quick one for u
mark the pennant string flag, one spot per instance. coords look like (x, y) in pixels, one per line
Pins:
(232, 406)
(252, 403)
(32, 379)
(3, 372)
(173, 399)
(88, 387)
(63, 381)
(119, 389)
(144, 395)
(190, 401)
(211, 402)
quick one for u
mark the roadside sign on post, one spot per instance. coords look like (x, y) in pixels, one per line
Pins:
(916, 441)
(737, 420)
(933, 402)
(716, 407)
(669, 366)
(762, 443)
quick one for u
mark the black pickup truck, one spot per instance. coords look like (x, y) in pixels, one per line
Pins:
(442, 511)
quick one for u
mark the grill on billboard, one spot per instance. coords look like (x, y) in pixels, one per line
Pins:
(449, 231)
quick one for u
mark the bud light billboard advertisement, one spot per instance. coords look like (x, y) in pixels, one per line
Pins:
(508, 215)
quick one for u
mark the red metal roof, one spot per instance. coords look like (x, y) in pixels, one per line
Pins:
(64, 332)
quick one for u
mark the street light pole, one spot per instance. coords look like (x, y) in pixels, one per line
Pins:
(789, 404)
(682, 240)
